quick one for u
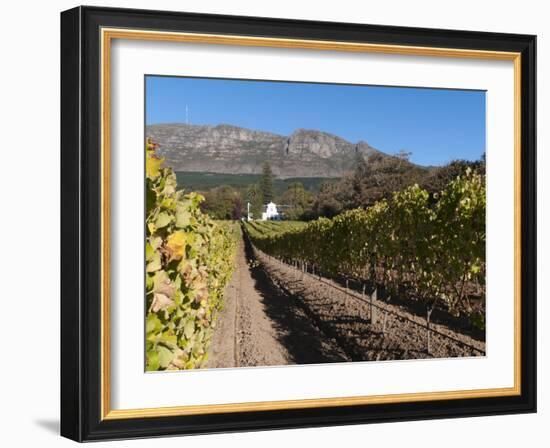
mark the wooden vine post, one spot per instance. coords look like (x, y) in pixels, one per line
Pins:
(372, 298)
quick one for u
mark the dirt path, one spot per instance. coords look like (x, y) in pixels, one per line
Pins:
(263, 326)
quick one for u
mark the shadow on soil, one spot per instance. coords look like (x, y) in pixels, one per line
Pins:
(304, 341)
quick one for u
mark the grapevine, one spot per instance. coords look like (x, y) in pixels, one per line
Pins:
(189, 261)
(431, 249)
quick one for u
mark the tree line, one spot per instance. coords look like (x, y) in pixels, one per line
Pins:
(374, 178)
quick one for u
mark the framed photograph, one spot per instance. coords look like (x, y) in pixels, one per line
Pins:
(274, 223)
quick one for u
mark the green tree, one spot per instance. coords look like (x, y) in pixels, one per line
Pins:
(223, 202)
(441, 176)
(298, 201)
(266, 183)
(329, 201)
(254, 197)
(373, 179)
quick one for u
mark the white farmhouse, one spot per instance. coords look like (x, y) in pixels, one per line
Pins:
(270, 212)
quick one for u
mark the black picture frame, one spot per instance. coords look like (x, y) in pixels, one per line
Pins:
(81, 224)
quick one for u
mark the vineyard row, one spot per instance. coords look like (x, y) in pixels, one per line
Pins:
(429, 249)
(189, 261)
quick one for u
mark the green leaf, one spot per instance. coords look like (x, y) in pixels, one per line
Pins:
(153, 323)
(165, 356)
(169, 337)
(153, 363)
(183, 218)
(149, 251)
(154, 264)
(189, 328)
(163, 219)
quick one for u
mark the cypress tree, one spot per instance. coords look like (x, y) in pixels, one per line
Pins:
(266, 184)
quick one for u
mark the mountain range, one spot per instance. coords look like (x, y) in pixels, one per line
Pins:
(235, 150)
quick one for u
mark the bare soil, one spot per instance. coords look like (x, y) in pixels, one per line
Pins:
(261, 325)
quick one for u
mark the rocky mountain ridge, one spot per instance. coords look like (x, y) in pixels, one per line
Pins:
(235, 150)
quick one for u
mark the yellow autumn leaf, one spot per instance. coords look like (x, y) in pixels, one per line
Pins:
(152, 166)
(175, 245)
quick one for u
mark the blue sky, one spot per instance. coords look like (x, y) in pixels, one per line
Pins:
(436, 125)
